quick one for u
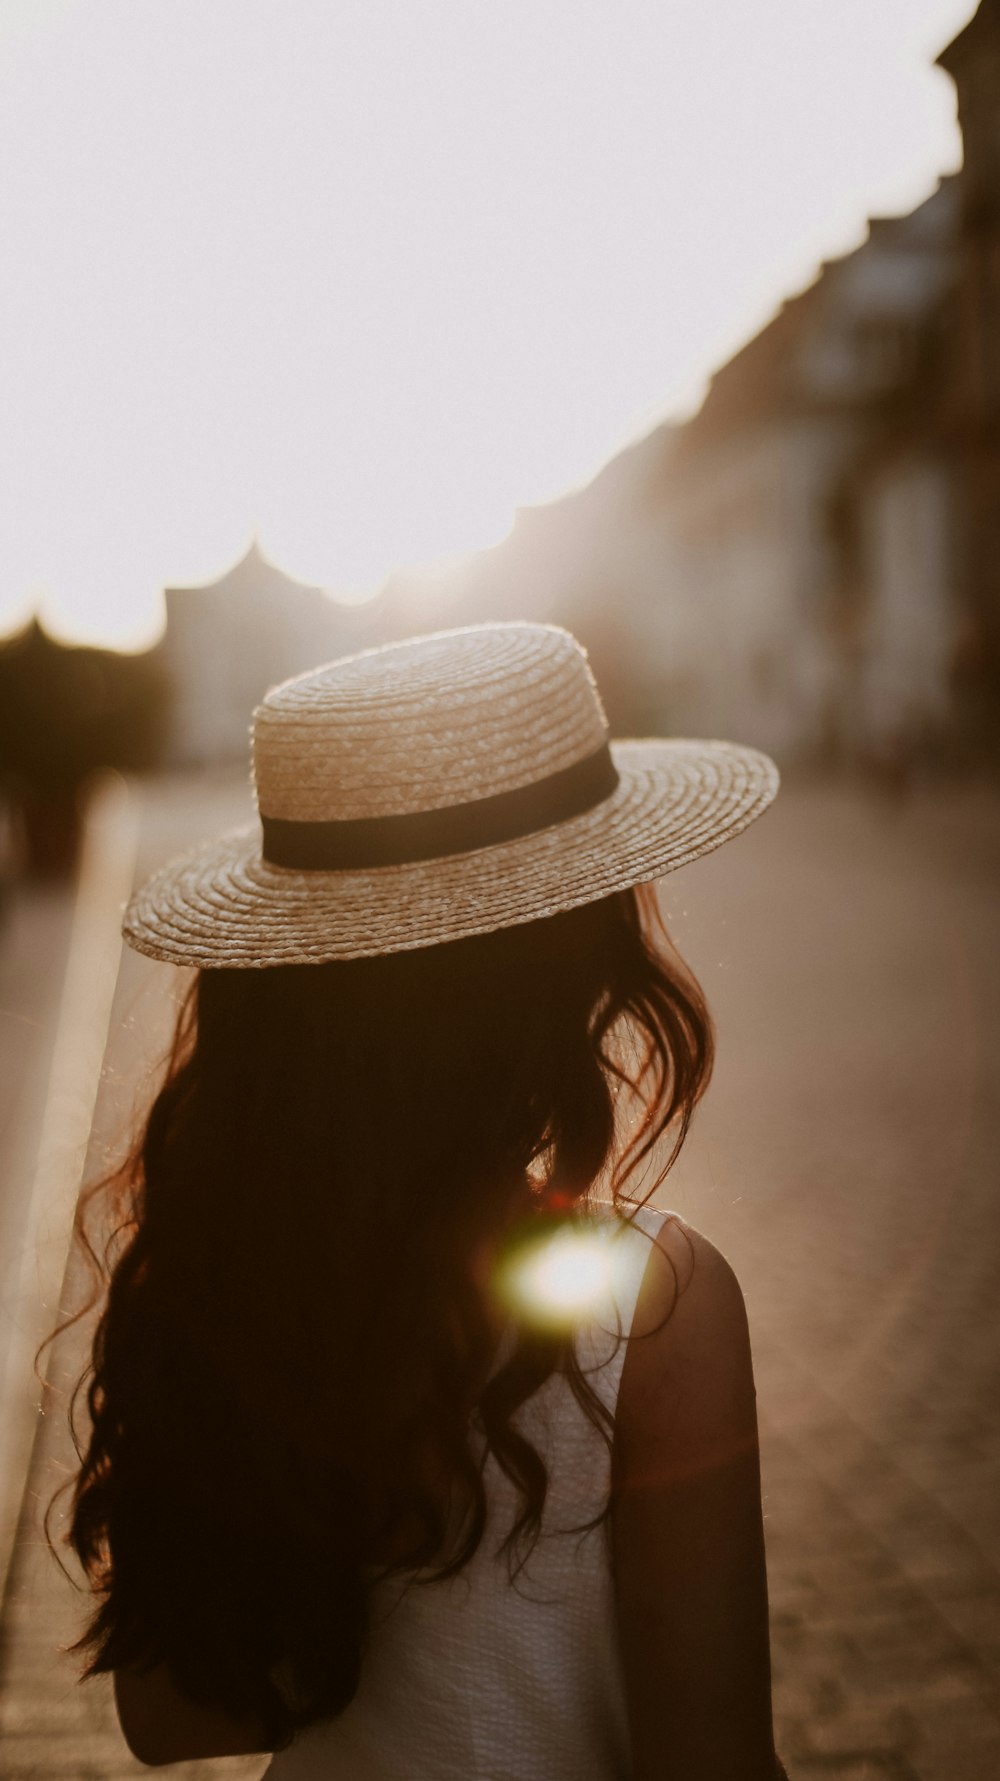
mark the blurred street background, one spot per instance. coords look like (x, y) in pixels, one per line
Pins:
(798, 547)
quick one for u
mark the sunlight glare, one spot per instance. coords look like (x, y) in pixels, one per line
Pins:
(567, 1275)
(338, 529)
(366, 279)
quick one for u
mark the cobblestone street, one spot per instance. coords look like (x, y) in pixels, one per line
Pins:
(845, 1160)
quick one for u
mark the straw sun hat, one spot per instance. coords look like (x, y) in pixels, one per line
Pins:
(436, 788)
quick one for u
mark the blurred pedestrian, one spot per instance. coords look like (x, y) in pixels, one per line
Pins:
(411, 1455)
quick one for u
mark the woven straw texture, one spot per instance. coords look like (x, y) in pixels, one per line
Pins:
(422, 725)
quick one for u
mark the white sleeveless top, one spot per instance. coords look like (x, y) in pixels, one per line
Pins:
(476, 1679)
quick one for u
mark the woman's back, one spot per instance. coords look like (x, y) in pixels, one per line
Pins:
(478, 1679)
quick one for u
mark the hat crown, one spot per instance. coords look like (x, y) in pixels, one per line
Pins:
(425, 724)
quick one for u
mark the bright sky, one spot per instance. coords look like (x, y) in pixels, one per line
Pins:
(364, 275)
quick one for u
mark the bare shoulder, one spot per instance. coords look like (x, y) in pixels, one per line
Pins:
(686, 1526)
(687, 1375)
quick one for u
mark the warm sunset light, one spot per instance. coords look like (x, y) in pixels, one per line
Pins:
(569, 1274)
(361, 279)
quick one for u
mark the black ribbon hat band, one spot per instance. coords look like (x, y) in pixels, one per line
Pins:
(359, 843)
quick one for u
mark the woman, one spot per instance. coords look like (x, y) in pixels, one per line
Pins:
(371, 1482)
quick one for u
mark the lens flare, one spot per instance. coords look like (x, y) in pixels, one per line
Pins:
(561, 1275)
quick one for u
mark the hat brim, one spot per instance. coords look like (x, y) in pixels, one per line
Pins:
(223, 905)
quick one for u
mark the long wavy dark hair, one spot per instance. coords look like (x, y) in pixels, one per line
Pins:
(297, 1333)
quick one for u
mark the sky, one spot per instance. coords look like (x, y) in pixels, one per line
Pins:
(358, 278)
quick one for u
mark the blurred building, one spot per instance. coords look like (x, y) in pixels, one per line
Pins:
(813, 561)
(227, 643)
(807, 511)
(973, 61)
